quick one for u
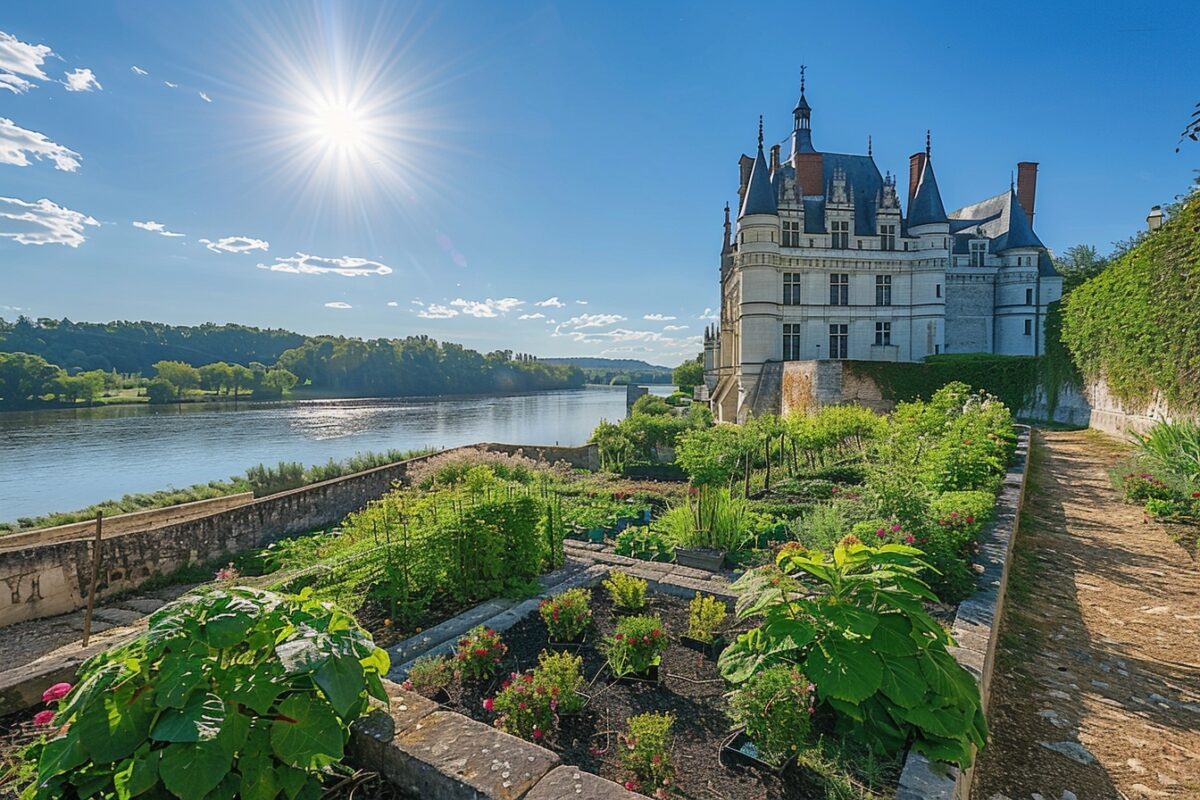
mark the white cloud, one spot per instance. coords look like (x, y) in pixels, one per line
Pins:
(138, 70)
(156, 227)
(81, 80)
(17, 144)
(538, 315)
(581, 302)
(42, 222)
(615, 335)
(592, 321)
(488, 308)
(709, 314)
(235, 244)
(338, 304)
(205, 97)
(348, 266)
(675, 327)
(435, 311)
(392, 304)
(658, 318)
(551, 302)
(416, 302)
(626, 349)
(19, 58)
(170, 85)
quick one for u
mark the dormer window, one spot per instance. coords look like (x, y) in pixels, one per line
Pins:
(840, 229)
(978, 253)
(887, 237)
(791, 233)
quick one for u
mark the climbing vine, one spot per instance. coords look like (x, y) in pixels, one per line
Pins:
(1013, 379)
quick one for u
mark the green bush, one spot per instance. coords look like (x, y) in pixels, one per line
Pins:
(855, 625)
(233, 692)
(705, 615)
(636, 646)
(646, 752)
(567, 615)
(644, 544)
(1174, 448)
(626, 592)
(775, 706)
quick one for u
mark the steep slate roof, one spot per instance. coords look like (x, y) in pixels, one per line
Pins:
(1046, 265)
(926, 206)
(863, 182)
(999, 218)
(760, 195)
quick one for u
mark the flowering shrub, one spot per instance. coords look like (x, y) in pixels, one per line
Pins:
(1142, 486)
(479, 653)
(524, 708)
(776, 707)
(559, 674)
(451, 467)
(627, 592)
(225, 690)
(227, 574)
(567, 615)
(429, 675)
(705, 615)
(636, 645)
(645, 751)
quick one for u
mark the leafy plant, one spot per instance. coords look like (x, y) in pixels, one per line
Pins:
(479, 653)
(646, 752)
(233, 692)
(559, 674)
(1139, 487)
(823, 526)
(567, 615)
(775, 706)
(429, 675)
(1173, 447)
(705, 615)
(644, 544)
(523, 707)
(635, 646)
(626, 592)
(855, 625)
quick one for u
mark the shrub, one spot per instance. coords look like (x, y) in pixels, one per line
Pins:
(524, 709)
(646, 752)
(429, 675)
(855, 625)
(627, 592)
(644, 544)
(705, 615)
(1139, 487)
(1173, 447)
(567, 615)
(225, 690)
(775, 706)
(479, 653)
(823, 526)
(560, 675)
(636, 645)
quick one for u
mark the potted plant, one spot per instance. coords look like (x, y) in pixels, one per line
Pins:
(645, 753)
(559, 676)
(712, 524)
(567, 617)
(774, 708)
(705, 615)
(627, 592)
(634, 652)
(479, 653)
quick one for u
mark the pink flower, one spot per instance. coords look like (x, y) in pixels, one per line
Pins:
(595, 752)
(953, 515)
(895, 527)
(406, 686)
(970, 519)
(881, 533)
(43, 718)
(537, 734)
(909, 539)
(631, 786)
(56, 692)
(489, 704)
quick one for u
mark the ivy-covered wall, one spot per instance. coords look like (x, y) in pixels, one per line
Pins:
(1014, 379)
(1136, 326)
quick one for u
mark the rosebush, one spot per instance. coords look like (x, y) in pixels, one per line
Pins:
(479, 653)
(234, 692)
(567, 615)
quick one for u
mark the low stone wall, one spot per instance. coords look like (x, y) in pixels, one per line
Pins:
(977, 630)
(584, 457)
(125, 523)
(1114, 417)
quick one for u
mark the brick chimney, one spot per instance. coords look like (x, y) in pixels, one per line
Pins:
(916, 165)
(1027, 187)
(774, 158)
(810, 172)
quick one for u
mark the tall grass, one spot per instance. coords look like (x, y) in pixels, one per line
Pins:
(1173, 447)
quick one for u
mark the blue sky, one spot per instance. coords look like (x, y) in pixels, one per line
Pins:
(381, 169)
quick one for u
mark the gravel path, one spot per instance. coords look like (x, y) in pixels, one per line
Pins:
(1097, 687)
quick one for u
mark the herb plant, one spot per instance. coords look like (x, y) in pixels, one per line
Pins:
(559, 674)
(644, 544)
(567, 615)
(775, 706)
(429, 675)
(627, 592)
(705, 615)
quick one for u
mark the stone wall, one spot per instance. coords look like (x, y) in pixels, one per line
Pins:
(1119, 419)
(810, 385)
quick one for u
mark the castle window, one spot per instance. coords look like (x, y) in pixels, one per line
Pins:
(839, 289)
(883, 333)
(840, 229)
(978, 253)
(791, 342)
(810, 242)
(1028, 327)
(883, 290)
(937, 290)
(839, 341)
(791, 233)
(887, 237)
(791, 288)
(1029, 297)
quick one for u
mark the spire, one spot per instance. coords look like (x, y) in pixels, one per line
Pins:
(726, 247)
(802, 122)
(760, 197)
(926, 204)
(870, 154)
(928, 143)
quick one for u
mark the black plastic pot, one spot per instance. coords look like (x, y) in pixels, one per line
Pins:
(700, 558)
(573, 644)
(710, 649)
(595, 535)
(650, 676)
(740, 749)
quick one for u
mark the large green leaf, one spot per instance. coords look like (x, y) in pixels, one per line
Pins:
(787, 636)
(949, 722)
(199, 721)
(341, 679)
(229, 625)
(903, 682)
(744, 657)
(307, 734)
(255, 686)
(948, 679)
(847, 670)
(114, 727)
(849, 618)
(137, 775)
(60, 755)
(306, 652)
(953, 751)
(258, 779)
(893, 636)
(190, 770)
(179, 672)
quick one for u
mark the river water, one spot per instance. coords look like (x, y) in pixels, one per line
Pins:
(66, 460)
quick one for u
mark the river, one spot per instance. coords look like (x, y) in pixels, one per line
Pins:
(66, 460)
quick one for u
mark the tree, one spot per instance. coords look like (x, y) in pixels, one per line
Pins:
(1079, 263)
(275, 382)
(239, 377)
(216, 376)
(690, 374)
(181, 376)
(160, 391)
(25, 379)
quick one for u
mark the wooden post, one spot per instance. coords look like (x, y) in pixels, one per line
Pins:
(91, 604)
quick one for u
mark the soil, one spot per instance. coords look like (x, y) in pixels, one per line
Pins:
(690, 687)
(1097, 685)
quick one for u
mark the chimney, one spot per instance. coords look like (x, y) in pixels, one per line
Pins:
(1027, 187)
(916, 165)
(774, 158)
(745, 164)
(1154, 219)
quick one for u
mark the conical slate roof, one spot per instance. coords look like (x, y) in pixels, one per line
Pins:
(926, 206)
(760, 196)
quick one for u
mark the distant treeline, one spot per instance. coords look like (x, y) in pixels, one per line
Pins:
(416, 365)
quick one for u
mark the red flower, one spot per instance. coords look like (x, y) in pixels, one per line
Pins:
(881, 533)
(481, 651)
(43, 718)
(56, 692)
(528, 678)
(406, 686)
(488, 704)
(909, 539)
(970, 519)
(537, 734)
(895, 527)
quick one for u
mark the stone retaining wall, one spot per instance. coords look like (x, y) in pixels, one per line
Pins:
(977, 630)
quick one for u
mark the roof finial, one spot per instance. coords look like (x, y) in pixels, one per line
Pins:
(928, 142)
(802, 68)
(760, 138)
(869, 150)
(1012, 181)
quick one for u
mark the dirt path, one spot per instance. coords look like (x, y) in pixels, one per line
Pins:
(1096, 693)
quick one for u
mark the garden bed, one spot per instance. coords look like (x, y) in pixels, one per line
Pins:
(690, 688)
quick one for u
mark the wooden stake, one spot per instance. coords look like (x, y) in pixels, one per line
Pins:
(91, 604)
